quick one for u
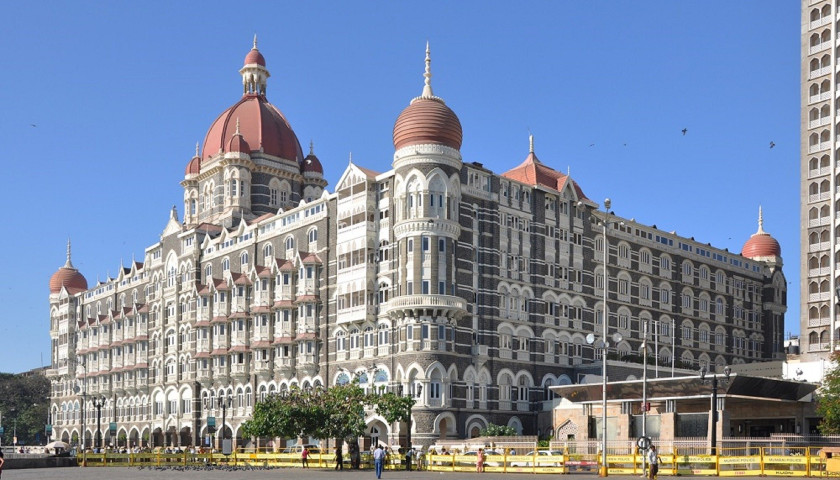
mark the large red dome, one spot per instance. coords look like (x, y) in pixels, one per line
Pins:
(68, 277)
(427, 120)
(761, 243)
(261, 124)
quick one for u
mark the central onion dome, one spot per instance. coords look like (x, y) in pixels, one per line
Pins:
(68, 277)
(262, 126)
(761, 244)
(427, 119)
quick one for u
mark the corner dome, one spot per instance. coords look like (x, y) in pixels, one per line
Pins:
(311, 163)
(761, 243)
(194, 167)
(68, 277)
(427, 119)
(262, 126)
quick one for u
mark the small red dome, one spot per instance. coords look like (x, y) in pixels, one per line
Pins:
(194, 167)
(254, 56)
(761, 245)
(238, 144)
(68, 277)
(262, 125)
(427, 120)
(312, 164)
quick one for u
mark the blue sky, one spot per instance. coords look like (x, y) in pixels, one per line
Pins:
(120, 92)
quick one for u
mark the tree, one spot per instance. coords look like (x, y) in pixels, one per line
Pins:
(24, 400)
(394, 408)
(828, 399)
(337, 412)
(494, 430)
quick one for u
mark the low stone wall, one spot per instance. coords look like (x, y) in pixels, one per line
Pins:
(38, 461)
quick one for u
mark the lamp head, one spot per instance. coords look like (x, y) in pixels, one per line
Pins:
(607, 204)
(727, 370)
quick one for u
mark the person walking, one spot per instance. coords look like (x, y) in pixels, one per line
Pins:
(378, 460)
(304, 457)
(2, 462)
(339, 458)
(409, 457)
(653, 462)
(479, 461)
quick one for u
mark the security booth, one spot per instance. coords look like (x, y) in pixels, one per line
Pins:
(711, 406)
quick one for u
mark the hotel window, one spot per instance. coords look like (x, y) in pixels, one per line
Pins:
(686, 332)
(623, 286)
(272, 197)
(623, 321)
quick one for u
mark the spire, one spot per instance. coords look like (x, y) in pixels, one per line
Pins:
(427, 88)
(255, 41)
(68, 264)
(237, 127)
(760, 221)
(530, 143)
(196, 149)
(351, 157)
(311, 147)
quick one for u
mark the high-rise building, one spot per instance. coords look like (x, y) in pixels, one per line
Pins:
(819, 173)
(471, 291)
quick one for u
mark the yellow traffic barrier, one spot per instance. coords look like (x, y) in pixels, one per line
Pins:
(696, 465)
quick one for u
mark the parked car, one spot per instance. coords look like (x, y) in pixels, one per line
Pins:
(545, 458)
(313, 449)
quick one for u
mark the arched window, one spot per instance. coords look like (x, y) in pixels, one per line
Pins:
(313, 235)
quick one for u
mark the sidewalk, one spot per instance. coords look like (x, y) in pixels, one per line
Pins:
(126, 473)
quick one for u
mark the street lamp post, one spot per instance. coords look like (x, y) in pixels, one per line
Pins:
(224, 402)
(644, 391)
(98, 403)
(606, 225)
(726, 371)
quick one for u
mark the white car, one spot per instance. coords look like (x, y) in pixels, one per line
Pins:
(545, 458)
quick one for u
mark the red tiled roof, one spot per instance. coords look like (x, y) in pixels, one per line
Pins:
(283, 340)
(306, 336)
(307, 298)
(261, 309)
(311, 258)
(219, 351)
(219, 319)
(533, 172)
(284, 304)
(239, 348)
(261, 344)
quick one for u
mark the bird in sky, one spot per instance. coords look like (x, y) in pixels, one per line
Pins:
(684, 130)
(32, 125)
(772, 144)
(591, 144)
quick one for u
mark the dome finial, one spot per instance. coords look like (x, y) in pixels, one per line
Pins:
(351, 157)
(69, 264)
(530, 143)
(760, 220)
(196, 149)
(255, 41)
(311, 147)
(237, 127)
(427, 88)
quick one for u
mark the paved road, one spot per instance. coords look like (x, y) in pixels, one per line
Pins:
(125, 473)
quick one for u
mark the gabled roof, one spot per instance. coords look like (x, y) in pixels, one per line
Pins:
(535, 173)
